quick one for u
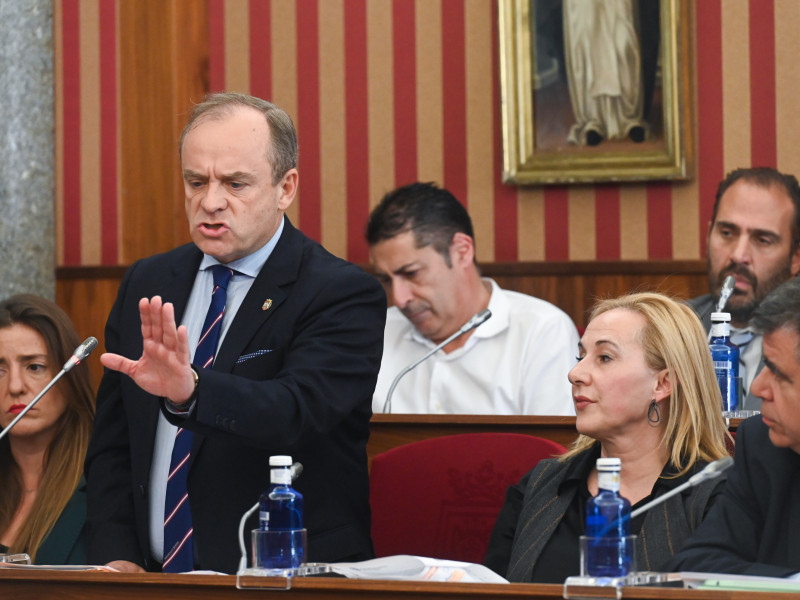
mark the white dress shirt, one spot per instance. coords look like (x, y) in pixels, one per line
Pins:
(750, 349)
(515, 363)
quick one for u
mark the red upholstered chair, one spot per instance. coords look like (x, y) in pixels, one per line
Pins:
(440, 497)
(730, 444)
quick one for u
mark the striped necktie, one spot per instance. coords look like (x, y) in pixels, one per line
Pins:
(742, 339)
(178, 549)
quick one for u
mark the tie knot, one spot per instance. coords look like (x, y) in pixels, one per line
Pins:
(741, 337)
(222, 275)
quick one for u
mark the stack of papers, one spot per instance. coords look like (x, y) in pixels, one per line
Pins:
(726, 581)
(417, 568)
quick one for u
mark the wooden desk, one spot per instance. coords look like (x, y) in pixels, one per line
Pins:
(390, 431)
(16, 584)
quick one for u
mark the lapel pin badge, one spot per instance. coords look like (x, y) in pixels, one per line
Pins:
(267, 304)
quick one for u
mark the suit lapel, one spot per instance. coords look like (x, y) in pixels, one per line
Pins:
(705, 313)
(261, 302)
(182, 273)
(264, 298)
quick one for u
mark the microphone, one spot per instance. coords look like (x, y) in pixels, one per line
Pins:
(81, 353)
(725, 292)
(477, 319)
(78, 356)
(296, 469)
(242, 548)
(711, 470)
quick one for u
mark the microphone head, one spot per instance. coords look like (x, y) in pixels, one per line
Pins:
(297, 470)
(729, 282)
(477, 319)
(725, 292)
(474, 321)
(482, 316)
(80, 353)
(86, 348)
(720, 465)
(711, 470)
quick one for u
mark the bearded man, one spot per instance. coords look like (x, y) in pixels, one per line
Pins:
(754, 235)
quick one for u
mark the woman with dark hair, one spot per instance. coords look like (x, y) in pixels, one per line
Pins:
(42, 493)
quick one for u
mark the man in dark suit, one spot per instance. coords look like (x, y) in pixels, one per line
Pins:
(754, 235)
(752, 528)
(299, 353)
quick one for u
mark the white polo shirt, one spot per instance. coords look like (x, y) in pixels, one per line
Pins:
(516, 363)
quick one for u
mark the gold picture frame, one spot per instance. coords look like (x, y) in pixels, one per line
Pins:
(537, 107)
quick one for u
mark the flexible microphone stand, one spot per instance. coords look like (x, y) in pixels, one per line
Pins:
(724, 295)
(80, 354)
(711, 470)
(476, 320)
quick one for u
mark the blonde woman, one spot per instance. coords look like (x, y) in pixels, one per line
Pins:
(42, 496)
(645, 391)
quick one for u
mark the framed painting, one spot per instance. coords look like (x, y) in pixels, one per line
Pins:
(595, 90)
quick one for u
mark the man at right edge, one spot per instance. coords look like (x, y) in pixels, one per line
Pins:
(752, 529)
(754, 235)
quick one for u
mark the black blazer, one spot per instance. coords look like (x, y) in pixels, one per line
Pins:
(753, 527)
(320, 320)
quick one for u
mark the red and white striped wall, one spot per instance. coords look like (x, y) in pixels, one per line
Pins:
(385, 92)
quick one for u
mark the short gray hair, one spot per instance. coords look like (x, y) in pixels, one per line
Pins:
(282, 152)
(780, 309)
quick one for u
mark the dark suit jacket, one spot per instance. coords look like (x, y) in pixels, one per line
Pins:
(66, 542)
(308, 396)
(704, 306)
(753, 527)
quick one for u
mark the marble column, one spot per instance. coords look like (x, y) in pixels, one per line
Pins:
(27, 175)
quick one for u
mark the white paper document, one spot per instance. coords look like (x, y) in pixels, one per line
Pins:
(418, 568)
(738, 582)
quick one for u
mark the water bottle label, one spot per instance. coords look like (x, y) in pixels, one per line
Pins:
(608, 480)
(264, 516)
(720, 330)
(720, 365)
(281, 476)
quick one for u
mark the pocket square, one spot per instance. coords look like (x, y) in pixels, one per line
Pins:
(245, 357)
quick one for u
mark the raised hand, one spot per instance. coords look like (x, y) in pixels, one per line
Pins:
(164, 367)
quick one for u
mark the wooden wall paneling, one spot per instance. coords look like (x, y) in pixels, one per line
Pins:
(574, 286)
(740, 58)
(86, 294)
(163, 57)
(190, 59)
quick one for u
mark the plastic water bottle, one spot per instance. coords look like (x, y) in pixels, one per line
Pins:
(608, 524)
(281, 512)
(725, 355)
